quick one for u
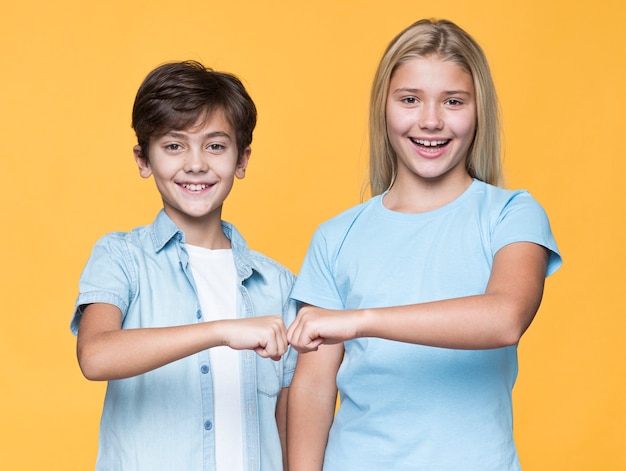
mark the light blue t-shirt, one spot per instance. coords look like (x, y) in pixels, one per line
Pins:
(164, 420)
(410, 407)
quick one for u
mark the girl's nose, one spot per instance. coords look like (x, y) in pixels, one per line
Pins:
(430, 117)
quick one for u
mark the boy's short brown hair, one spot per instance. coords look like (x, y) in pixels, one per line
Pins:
(175, 95)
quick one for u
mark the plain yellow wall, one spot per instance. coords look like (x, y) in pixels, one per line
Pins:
(69, 73)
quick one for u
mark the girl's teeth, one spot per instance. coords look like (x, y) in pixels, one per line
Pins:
(429, 143)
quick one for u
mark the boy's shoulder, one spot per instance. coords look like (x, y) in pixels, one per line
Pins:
(269, 268)
(256, 260)
(151, 237)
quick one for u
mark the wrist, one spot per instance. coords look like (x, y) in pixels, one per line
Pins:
(218, 331)
(365, 323)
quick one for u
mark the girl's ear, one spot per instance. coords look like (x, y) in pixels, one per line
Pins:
(142, 162)
(242, 164)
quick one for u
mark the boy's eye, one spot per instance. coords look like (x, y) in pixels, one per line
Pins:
(216, 147)
(173, 147)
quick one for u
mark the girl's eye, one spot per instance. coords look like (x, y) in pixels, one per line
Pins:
(410, 100)
(454, 102)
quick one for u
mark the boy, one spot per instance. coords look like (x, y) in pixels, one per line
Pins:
(169, 313)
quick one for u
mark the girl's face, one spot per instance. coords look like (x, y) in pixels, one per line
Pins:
(431, 120)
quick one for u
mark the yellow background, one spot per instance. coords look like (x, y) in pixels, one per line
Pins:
(70, 70)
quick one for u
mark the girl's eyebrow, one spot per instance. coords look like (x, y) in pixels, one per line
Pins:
(417, 90)
(458, 92)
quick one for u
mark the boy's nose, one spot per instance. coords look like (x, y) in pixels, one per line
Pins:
(195, 161)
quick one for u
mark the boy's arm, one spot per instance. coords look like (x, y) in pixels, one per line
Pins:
(495, 319)
(106, 351)
(311, 407)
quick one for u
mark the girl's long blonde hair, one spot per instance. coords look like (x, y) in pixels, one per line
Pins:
(443, 39)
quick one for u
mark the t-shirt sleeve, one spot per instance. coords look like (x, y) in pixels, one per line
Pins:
(316, 284)
(105, 278)
(523, 219)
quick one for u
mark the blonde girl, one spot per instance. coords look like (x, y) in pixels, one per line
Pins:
(414, 301)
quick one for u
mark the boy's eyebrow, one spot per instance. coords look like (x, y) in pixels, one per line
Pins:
(181, 135)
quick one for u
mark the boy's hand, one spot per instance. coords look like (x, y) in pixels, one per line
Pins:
(315, 326)
(266, 335)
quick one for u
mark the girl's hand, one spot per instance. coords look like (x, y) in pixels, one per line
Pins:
(315, 326)
(266, 335)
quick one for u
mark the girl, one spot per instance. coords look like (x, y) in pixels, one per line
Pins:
(415, 301)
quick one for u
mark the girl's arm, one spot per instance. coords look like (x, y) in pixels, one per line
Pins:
(106, 351)
(311, 409)
(494, 319)
(281, 423)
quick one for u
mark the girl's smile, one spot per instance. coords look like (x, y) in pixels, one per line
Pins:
(430, 149)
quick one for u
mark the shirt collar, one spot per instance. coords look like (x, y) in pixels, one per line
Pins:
(163, 230)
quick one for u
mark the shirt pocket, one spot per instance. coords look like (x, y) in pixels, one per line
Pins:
(268, 376)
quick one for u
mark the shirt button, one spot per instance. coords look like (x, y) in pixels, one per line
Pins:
(199, 314)
(208, 425)
(204, 369)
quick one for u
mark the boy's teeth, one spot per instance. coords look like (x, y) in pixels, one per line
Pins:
(194, 187)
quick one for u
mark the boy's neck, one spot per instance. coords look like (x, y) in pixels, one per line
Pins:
(214, 240)
(204, 232)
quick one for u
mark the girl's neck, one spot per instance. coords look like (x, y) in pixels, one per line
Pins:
(409, 197)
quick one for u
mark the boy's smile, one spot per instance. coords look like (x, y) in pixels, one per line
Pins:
(194, 170)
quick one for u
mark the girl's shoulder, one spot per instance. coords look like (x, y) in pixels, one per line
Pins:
(497, 199)
(344, 220)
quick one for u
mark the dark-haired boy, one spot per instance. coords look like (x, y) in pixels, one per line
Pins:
(171, 314)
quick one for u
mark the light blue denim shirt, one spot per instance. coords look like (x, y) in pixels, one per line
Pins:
(163, 420)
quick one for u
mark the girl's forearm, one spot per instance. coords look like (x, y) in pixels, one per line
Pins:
(311, 408)
(478, 322)
(495, 319)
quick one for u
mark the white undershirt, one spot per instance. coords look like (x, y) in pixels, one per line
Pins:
(215, 276)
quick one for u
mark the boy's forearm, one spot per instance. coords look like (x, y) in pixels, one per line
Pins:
(106, 351)
(124, 353)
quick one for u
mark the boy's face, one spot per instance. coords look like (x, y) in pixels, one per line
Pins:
(194, 169)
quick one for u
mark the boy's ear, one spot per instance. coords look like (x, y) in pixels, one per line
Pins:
(240, 170)
(144, 166)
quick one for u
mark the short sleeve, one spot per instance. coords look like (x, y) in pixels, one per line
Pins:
(523, 219)
(106, 278)
(315, 284)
